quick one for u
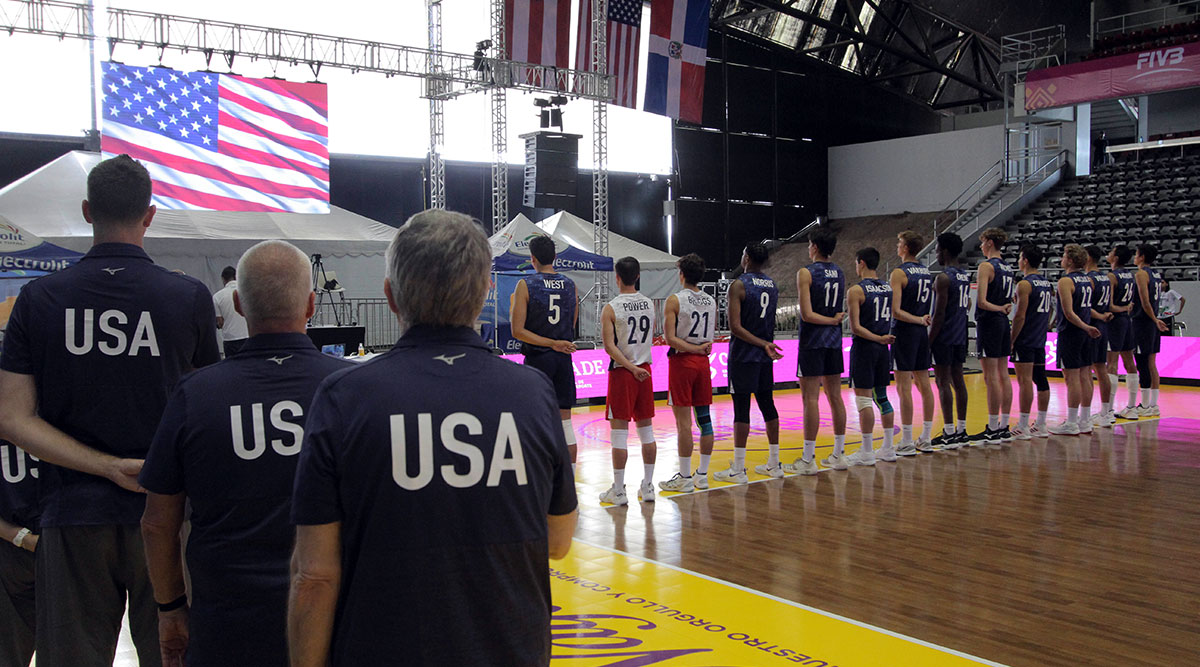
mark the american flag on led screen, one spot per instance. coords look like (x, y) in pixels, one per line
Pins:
(624, 27)
(221, 141)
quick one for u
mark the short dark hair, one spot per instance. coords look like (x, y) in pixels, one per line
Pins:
(629, 270)
(1148, 252)
(950, 242)
(691, 266)
(1095, 252)
(758, 253)
(1124, 253)
(868, 256)
(542, 249)
(118, 191)
(1033, 255)
(228, 273)
(824, 239)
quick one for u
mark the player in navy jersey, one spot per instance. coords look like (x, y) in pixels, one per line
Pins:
(1120, 328)
(1147, 328)
(18, 542)
(822, 290)
(752, 353)
(870, 308)
(996, 285)
(948, 340)
(434, 483)
(227, 446)
(1075, 294)
(1035, 306)
(689, 322)
(544, 313)
(90, 355)
(913, 285)
(1101, 316)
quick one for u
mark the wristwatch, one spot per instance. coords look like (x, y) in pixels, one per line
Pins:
(19, 540)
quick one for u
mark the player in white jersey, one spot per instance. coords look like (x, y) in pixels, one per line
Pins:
(627, 326)
(690, 321)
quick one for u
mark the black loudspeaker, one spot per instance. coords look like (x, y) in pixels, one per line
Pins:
(551, 169)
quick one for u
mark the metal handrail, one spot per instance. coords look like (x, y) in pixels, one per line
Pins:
(1125, 25)
(957, 205)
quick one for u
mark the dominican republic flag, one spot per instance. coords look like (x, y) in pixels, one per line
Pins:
(538, 31)
(624, 28)
(221, 141)
(675, 69)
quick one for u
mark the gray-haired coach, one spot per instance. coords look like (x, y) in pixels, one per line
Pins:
(434, 483)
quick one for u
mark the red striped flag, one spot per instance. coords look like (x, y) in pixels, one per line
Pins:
(221, 141)
(538, 31)
(624, 27)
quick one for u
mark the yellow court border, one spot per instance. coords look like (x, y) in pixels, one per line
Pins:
(614, 609)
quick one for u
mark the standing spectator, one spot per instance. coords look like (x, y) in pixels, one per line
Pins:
(18, 531)
(433, 485)
(228, 444)
(89, 358)
(229, 320)
(1170, 304)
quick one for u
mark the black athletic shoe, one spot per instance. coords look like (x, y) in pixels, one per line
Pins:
(980, 439)
(1002, 435)
(962, 439)
(944, 441)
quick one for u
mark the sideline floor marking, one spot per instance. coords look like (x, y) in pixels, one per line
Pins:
(618, 609)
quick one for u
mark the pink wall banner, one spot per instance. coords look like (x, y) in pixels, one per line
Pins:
(1151, 71)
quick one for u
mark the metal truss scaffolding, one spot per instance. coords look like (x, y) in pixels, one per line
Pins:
(600, 145)
(499, 125)
(437, 118)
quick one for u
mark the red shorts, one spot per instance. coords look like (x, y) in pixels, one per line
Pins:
(628, 399)
(691, 380)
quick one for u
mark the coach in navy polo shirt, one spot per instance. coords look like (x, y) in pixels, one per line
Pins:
(18, 541)
(228, 442)
(90, 355)
(433, 485)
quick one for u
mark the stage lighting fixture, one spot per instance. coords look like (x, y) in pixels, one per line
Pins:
(558, 100)
(541, 102)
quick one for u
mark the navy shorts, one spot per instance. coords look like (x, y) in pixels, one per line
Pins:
(1120, 333)
(911, 349)
(1147, 338)
(1099, 346)
(1029, 355)
(949, 355)
(819, 362)
(557, 367)
(1074, 348)
(870, 364)
(751, 377)
(993, 334)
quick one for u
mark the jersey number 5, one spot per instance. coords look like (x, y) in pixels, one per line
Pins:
(555, 309)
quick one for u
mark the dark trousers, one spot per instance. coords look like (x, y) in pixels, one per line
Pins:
(17, 613)
(84, 576)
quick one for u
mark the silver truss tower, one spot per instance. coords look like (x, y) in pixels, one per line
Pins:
(499, 121)
(437, 119)
(600, 145)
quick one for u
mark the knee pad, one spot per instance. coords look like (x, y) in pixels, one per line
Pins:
(741, 408)
(645, 434)
(881, 399)
(620, 438)
(1039, 378)
(704, 420)
(766, 405)
(863, 403)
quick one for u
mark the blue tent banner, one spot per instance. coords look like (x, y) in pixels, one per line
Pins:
(569, 259)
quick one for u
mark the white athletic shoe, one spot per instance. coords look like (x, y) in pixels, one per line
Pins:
(1100, 421)
(924, 446)
(1129, 412)
(700, 482)
(861, 458)
(615, 496)
(678, 484)
(1019, 433)
(1065, 428)
(1039, 431)
(888, 454)
(775, 471)
(1085, 425)
(1148, 410)
(728, 475)
(906, 449)
(646, 492)
(835, 461)
(802, 467)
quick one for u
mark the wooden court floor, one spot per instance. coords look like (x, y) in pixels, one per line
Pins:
(1067, 551)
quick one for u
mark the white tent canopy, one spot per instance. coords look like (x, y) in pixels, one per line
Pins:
(201, 243)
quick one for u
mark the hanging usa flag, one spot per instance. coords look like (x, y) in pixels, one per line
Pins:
(624, 38)
(221, 141)
(675, 66)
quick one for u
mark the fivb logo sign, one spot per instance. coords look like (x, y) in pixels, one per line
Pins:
(1160, 62)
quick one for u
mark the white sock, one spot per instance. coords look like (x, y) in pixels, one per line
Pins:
(685, 466)
(569, 431)
(1085, 414)
(905, 434)
(1073, 415)
(1131, 385)
(703, 469)
(773, 457)
(1106, 406)
(739, 459)
(888, 437)
(962, 426)
(618, 478)
(839, 444)
(1146, 397)
(993, 422)
(927, 430)
(1023, 424)
(868, 442)
(1154, 397)
(649, 468)
(1003, 422)
(572, 469)
(1115, 381)
(1041, 419)
(810, 450)
(948, 429)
